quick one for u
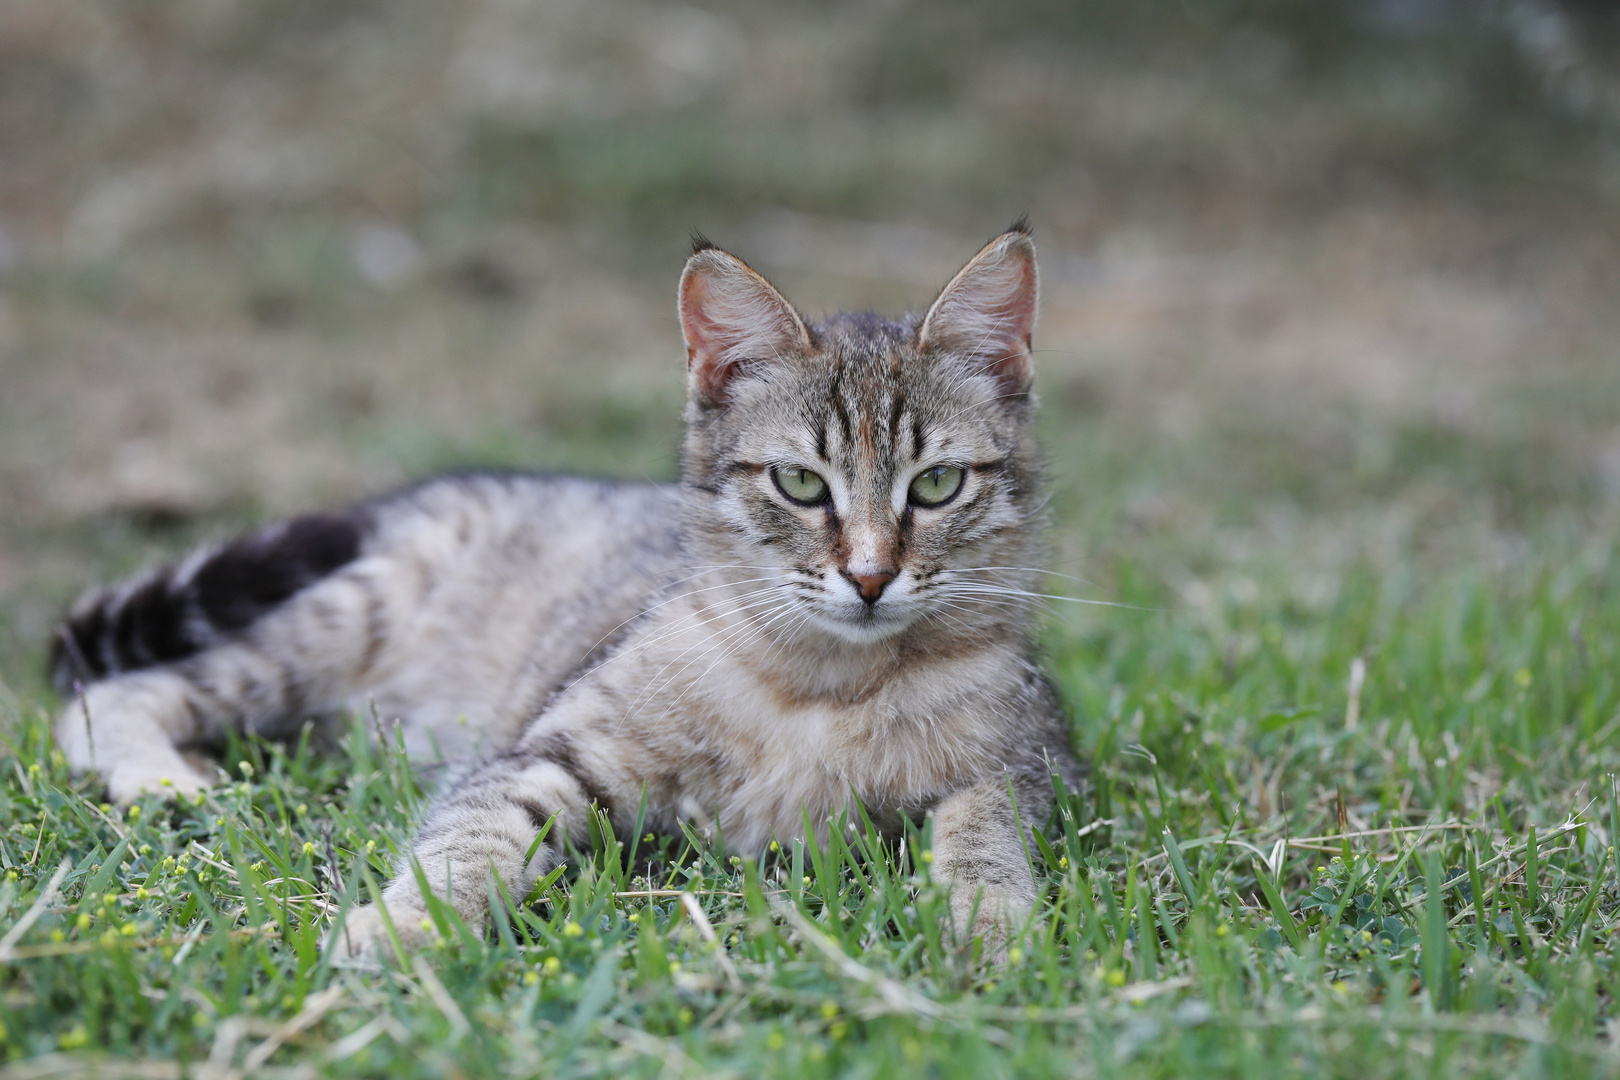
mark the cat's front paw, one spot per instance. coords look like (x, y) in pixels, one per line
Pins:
(363, 938)
(989, 914)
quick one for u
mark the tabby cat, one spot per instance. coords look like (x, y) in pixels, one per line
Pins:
(833, 605)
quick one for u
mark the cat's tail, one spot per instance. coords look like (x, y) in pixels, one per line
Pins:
(176, 611)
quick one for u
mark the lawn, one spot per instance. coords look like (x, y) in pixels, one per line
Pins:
(1348, 823)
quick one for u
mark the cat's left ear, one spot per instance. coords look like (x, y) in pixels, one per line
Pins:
(987, 312)
(732, 320)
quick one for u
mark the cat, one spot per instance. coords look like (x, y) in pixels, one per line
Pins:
(833, 605)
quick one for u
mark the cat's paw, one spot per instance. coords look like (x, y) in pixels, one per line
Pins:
(363, 938)
(991, 915)
(170, 778)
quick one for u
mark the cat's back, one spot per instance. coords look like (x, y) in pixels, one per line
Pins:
(516, 518)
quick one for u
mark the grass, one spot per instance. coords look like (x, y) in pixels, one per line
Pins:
(1273, 873)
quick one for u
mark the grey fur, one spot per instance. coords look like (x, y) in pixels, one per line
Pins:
(742, 657)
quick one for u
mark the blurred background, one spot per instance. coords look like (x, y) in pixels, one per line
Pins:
(1326, 285)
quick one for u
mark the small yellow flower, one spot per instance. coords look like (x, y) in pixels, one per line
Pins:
(57, 935)
(829, 1009)
(302, 809)
(135, 811)
(837, 1030)
(572, 929)
(552, 965)
(165, 782)
(74, 1038)
(775, 846)
(33, 770)
(530, 978)
(426, 924)
(634, 916)
(775, 1041)
(82, 922)
(1114, 977)
(144, 849)
(106, 808)
(245, 768)
(371, 845)
(927, 856)
(1222, 930)
(1523, 677)
(685, 1016)
(128, 929)
(309, 847)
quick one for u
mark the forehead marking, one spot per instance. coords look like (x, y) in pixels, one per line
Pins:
(835, 395)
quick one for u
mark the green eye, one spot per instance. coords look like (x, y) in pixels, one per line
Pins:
(800, 485)
(937, 485)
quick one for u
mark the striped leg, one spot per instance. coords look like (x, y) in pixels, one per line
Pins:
(979, 854)
(483, 826)
(128, 728)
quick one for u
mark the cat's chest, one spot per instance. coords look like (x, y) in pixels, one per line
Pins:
(756, 758)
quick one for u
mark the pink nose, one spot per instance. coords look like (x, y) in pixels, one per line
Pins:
(871, 585)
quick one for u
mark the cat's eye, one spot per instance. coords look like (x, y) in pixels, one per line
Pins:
(936, 486)
(801, 485)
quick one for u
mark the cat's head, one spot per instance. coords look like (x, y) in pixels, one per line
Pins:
(865, 476)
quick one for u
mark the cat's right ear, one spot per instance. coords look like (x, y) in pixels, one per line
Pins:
(732, 318)
(987, 312)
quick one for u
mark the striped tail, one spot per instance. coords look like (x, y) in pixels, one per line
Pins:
(176, 611)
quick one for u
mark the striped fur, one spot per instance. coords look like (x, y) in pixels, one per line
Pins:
(791, 630)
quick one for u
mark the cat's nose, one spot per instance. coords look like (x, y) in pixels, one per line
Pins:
(871, 586)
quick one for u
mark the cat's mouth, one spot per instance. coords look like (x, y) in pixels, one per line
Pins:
(864, 624)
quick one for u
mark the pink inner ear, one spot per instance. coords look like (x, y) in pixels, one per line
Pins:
(707, 341)
(988, 312)
(731, 316)
(1011, 363)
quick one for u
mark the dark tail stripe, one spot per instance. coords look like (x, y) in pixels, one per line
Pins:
(167, 618)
